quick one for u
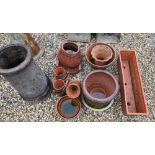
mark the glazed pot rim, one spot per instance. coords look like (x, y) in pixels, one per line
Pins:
(22, 65)
(97, 66)
(60, 101)
(108, 99)
(73, 53)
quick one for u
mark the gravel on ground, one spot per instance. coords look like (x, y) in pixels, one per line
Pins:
(14, 108)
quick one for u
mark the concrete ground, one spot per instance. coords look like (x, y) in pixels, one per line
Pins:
(14, 108)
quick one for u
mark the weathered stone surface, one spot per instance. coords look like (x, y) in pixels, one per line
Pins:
(80, 37)
(112, 38)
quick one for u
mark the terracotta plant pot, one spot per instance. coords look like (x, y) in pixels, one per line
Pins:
(91, 61)
(69, 56)
(59, 86)
(134, 102)
(99, 89)
(73, 89)
(68, 108)
(101, 54)
(60, 73)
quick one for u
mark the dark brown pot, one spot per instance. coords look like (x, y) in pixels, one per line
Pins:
(91, 61)
(68, 108)
(59, 86)
(73, 89)
(69, 55)
(101, 54)
(99, 89)
(60, 73)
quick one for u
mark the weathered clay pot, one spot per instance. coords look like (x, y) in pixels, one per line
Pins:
(69, 56)
(99, 89)
(91, 61)
(73, 89)
(60, 73)
(68, 108)
(134, 102)
(101, 54)
(59, 86)
(18, 67)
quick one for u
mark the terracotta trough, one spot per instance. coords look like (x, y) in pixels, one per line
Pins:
(134, 102)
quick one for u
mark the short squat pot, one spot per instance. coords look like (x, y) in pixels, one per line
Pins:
(95, 62)
(59, 86)
(18, 67)
(68, 108)
(73, 89)
(101, 54)
(99, 89)
(60, 73)
(69, 56)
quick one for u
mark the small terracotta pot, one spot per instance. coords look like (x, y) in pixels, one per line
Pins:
(60, 73)
(59, 85)
(99, 89)
(69, 56)
(68, 108)
(73, 89)
(101, 54)
(91, 61)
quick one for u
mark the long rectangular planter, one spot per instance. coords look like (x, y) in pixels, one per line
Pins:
(134, 102)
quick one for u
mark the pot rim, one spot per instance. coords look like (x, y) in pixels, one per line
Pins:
(71, 84)
(70, 54)
(58, 67)
(97, 66)
(22, 65)
(59, 80)
(60, 101)
(108, 99)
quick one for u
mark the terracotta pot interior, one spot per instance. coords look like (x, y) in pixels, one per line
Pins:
(59, 71)
(70, 48)
(58, 84)
(101, 53)
(67, 107)
(12, 57)
(100, 85)
(91, 59)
